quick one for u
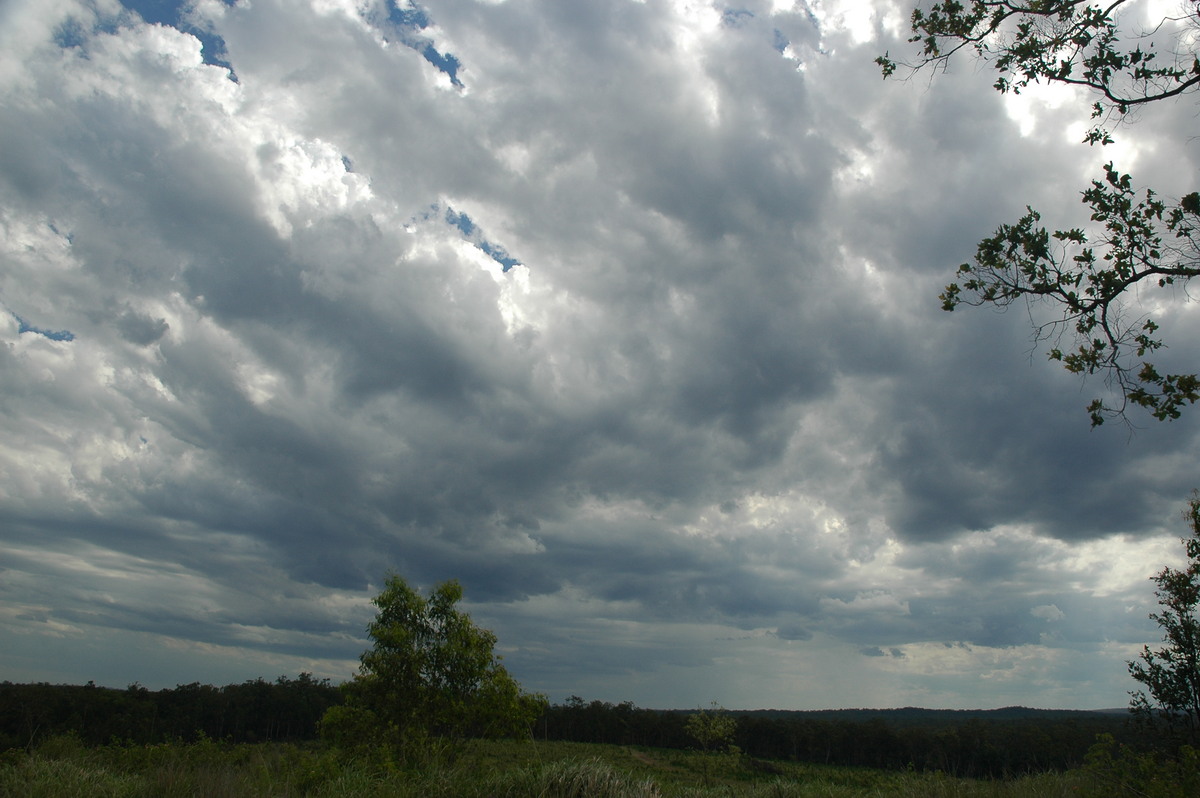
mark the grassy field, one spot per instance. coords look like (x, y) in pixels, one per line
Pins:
(62, 767)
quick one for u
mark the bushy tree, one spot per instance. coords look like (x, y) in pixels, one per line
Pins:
(432, 676)
(1136, 239)
(1171, 674)
(713, 730)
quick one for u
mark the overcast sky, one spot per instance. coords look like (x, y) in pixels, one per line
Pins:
(624, 314)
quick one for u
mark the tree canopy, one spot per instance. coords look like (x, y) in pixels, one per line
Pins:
(1135, 239)
(431, 674)
(713, 729)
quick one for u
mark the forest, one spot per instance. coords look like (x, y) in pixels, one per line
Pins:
(970, 744)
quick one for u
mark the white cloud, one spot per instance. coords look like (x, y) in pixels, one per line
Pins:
(1048, 612)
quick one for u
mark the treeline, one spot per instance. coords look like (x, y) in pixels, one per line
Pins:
(989, 744)
(253, 711)
(971, 747)
(994, 743)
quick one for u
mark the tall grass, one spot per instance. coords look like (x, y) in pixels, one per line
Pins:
(63, 768)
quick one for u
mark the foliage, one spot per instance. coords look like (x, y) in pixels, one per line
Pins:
(713, 729)
(253, 711)
(60, 766)
(1072, 42)
(1114, 769)
(983, 744)
(352, 729)
(1171, 674)
(592, 778)
(1143, 240)
(432, 678)
(977, 744)
(487, 769)
(1136, 239)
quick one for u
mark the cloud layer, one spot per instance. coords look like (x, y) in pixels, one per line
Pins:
(622, 313)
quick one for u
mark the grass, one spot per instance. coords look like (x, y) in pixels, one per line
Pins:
(63, 767)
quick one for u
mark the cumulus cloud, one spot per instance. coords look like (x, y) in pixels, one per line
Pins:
(623, 314)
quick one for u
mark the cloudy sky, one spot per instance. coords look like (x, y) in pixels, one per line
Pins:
(622, 313)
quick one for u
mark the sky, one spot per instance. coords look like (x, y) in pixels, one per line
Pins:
(624, 314)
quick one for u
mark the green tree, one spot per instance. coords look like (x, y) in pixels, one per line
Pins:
(1171, 674)
(1135, 240)
(713, 730)
(431, 679)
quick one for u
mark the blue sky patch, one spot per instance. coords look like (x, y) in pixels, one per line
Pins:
(473, 234)
(499, 255)
(446, 63)
(70, 34)
(170, 12)
(781, 42)
(411, 17)
(735, 17)
(461, 221)
(409, 20)
(157, 12)
(54, 335)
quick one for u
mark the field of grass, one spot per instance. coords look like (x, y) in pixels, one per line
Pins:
(62, 767)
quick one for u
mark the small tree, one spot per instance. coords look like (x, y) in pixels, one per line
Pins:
(432, 676)
(1172, 674)
(713, 729)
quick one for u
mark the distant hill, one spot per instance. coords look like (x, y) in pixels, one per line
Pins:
(918, 716)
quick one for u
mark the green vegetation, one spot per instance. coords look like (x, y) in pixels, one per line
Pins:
(713, 730)
(970, 744)
(253, 711)
(1011, 752)
(62, 766)
(1171, 674)
(431, 681)
(1121, 770)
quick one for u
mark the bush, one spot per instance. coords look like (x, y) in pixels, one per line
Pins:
(1114, 769)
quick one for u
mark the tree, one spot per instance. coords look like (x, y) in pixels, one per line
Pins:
(713, 729)
(1171, 674)
(1135, 240)
(432, 676)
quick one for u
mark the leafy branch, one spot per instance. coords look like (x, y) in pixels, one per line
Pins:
(1143, 239)
(1138, 239)
(1073, 42)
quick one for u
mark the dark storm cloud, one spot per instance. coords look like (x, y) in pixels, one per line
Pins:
(710, 428)
(141, 330)
(975, 449)
(793, 633)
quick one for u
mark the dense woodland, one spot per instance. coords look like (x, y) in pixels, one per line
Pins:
(254, 711)
(990, 743)
(984, 743)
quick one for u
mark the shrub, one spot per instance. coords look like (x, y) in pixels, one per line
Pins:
(1114, 769)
